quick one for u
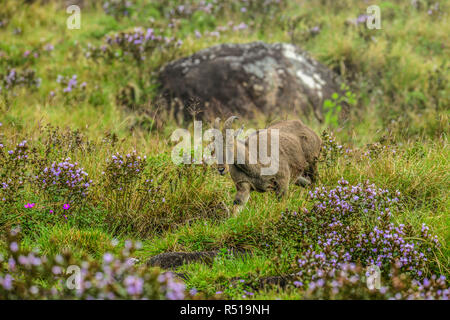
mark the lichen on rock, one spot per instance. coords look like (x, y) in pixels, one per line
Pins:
(245, 79)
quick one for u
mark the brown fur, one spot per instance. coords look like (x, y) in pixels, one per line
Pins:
(298, 155)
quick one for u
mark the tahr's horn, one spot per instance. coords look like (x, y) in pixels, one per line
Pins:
(229, 122)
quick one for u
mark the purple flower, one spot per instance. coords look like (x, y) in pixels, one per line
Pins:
(49, 47)
(315, 30)
(7, 282)
(14, 246)
(29, 205)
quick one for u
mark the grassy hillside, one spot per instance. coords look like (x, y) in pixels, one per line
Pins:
(71, 99)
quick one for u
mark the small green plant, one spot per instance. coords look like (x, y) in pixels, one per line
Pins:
(333, 107)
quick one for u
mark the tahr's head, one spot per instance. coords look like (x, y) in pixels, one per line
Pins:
(223, 167)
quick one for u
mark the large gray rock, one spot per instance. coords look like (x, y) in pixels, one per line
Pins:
(245, 79)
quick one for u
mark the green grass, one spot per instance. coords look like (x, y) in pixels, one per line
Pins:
(399, 75)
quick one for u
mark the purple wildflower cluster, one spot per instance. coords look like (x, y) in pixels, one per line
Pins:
(123, 179)
(19, 154)
(137, 44)
(185, 9)
(116, 277)
(248, 9)
(131, 188)
(18, 63)
(118, 8)
(379, 241)
(372, 151)
(14, 78)
(254, 6)
(13, 170)
(49, 47)
(31, 54)
(123, 170)
(361, 19)
(175, 290)
(29, 205)
(349, 281)
(58, 143)
(69, 85)
(332, 150)
(354, 223)
(63, 183)
(230, 26)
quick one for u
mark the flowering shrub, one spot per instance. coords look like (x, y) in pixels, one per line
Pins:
(198, 17)
(13, 171)
(70, 88)
(268, 10)
(117, 8)
(122, 172)
(58, 143)
(229, 27)
(375, 149)
(145, 197)
(137, 44)
(353, 223)
(28, 275)
(62, 184)
(331, 149)
(127, 186)
(135, 47)
(249, 9)
(349, 281)
(13, 78)
(185, 9)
